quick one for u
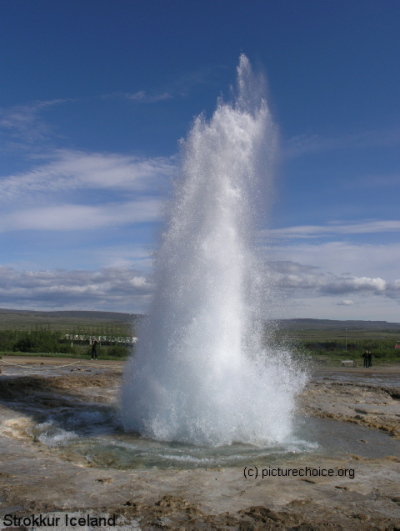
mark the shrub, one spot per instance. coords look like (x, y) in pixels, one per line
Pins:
(8, 339)
(118, 351)
(37, 341)
(66, 349)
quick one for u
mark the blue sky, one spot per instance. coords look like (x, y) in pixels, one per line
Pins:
(95, 95)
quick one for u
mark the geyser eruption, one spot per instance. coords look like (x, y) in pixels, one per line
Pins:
(202, 373)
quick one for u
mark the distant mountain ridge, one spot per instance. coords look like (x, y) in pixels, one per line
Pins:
(332, 324)
(87, 316)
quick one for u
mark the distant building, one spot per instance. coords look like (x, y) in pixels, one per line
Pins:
(397, 345)
(106, 340)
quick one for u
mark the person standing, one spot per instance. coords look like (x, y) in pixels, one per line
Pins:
(94, 348)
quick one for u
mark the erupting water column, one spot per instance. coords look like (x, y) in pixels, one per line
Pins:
(201, 374)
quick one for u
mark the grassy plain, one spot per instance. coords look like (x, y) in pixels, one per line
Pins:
(66, 321)
(326, 341)
(330, 342)
(31, 333)
(332, 346)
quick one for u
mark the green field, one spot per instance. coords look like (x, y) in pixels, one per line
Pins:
(67, 321)
(65, 334)
(331, 342)
(328, 341)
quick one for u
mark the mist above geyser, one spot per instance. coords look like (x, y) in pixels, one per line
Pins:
(203, 372)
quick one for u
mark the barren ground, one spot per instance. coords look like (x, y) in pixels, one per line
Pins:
(36, 479)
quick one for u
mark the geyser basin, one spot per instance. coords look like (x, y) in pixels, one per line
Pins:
(74, 415)
(203, 373)
(315, 439)
(93, 433)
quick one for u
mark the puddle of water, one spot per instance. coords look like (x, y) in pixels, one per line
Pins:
(49, 371)
(335, 438)
(97, 435)
(387, 380)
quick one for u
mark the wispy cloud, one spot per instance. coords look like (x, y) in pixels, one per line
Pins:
(72, 170)
(64, 217)
(305, 144)
(380, 181)
(203, 76)
(143, 97)
(23, 123)
(334, 229)
(179, 88)
(76, 190)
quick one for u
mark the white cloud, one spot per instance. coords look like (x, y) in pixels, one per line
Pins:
(345, 302)
(349, 284)
(123, 288)
(343, 258)
(296, 277)
(319, 278)
(111, 288)
(312, 292)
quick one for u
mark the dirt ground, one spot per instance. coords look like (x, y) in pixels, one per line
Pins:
(41, 481)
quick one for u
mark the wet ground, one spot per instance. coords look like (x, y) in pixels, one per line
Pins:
(63, 453)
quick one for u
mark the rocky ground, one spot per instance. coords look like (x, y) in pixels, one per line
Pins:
(373, 405)
(39, 480)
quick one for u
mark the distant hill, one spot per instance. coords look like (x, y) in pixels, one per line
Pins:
(27, 319)
(331, 324)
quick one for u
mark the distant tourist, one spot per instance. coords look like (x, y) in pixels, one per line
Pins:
(365, 357)
(94, 348)
(369, 359)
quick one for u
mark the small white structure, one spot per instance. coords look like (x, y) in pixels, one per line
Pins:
(125, 340)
